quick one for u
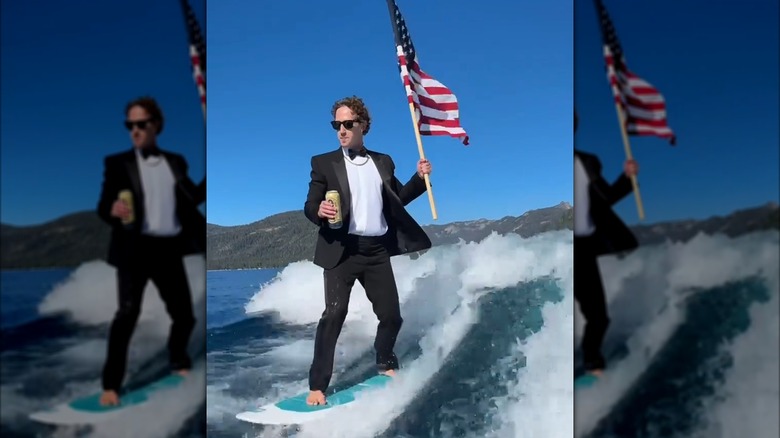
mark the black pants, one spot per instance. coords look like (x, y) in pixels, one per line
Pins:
(159, 260)
(365, 259)
(589, 292)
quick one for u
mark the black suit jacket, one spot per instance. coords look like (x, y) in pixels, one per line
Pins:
(329, 172)
(120, 173)
(611, 235)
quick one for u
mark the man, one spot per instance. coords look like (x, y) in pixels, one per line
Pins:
(150, 234)
(597, 231)
(375, 227)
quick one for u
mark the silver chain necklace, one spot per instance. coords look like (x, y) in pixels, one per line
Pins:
(348, 160)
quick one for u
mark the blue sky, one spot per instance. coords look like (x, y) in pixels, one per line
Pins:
(275, 69)
(717, 67)
(67, 73)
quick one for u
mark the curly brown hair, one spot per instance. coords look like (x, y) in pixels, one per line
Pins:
(149, 104)
(358, 107)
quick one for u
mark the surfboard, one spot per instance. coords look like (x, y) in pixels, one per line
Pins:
(88, 410)
(294, 410)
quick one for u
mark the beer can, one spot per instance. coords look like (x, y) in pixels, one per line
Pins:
(333, 197)
(127, 197)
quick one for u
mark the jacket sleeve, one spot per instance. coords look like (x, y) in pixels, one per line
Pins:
(610, 193)
(620, 189)
(317, 188)
(411, 190)
(196, 193)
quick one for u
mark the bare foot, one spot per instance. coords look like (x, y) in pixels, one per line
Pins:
(389, 373)
(109, 398)
(315, 398)
(182, 372)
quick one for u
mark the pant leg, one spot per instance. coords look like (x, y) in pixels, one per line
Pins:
(131, 281)
(170, 277)
(589, 292)
(338, 284)
(379, 282)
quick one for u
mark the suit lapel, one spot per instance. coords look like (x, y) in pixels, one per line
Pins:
(173, 164)
(381, 167)
(178, 175)
(340, 169)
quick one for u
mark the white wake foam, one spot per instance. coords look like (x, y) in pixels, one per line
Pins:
(88, 295)
(647, 291)
(446, 282)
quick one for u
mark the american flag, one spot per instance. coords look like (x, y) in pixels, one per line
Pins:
(642, 104)
(197, 51)
(435, 105)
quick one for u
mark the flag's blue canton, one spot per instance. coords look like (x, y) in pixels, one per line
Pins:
(403, 34)
(196, 37)
(609, 34)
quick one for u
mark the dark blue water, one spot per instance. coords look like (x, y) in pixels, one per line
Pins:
(22, 291)
(227, 292)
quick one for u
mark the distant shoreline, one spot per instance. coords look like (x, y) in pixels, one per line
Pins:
(281, 239)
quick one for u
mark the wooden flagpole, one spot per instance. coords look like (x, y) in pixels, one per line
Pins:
(422, 157)
(391, 7)
(627, 147)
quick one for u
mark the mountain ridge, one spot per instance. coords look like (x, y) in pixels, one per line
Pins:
(283, 238)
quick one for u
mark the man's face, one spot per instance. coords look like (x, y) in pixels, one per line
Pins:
(143, 131)
(348, 138)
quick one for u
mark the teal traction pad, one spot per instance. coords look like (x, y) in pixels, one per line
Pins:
(136, 397)
(298, 403)
(585, 381)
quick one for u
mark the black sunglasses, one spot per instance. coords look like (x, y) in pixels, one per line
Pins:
(141, 124)
(347, 124)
